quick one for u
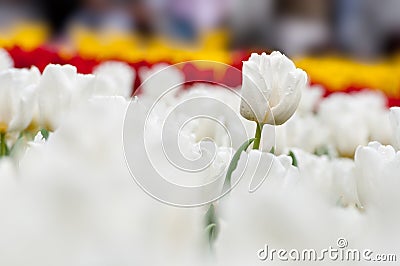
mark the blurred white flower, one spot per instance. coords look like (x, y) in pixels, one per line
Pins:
(114, 79)
(332, 178)
(296, 208)
(344, 182)
(94, 204)
(339, 113)
(377, 174)
(377, 169)
(93, 213)
(227, 128)
(287, 211)
(161, 79)
(355, 119)
(306, 132)
(395, 121)
(8, 173)
(271, 88)
(311, 96)
(59, 88)
(6, 61)
(374, 111)
(17, 98)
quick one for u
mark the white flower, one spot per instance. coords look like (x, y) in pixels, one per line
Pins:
(271, 88)
(377, 171)
(355, 119)
(114, 79)
(310, 98)
(292, 209)
(17, 98)
(73, 206)
(227, 128)
(377, 175)
(395, 120)
(160, 79)
(6, 61)
(59, 87)
(373, 108)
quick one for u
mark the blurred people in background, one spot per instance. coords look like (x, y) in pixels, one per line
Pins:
(15, 11)
(186, 20)
(57, 13)
(102, 15)
(367, 27)
(303, 26)
(251, 23)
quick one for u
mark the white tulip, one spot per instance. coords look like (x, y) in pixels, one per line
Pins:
(59, 87)
(311, 96)
(271, 88)
(377, 173)
(395, 120)
(114, 79)
(160, 79)
(364, 112)
(17, 98)
(6, 61)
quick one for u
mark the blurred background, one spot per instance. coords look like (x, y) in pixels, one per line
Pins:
(363, 29)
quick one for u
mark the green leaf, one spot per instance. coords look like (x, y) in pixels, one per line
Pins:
(211, 231)
(294, 160)
(45, 133)
(3, 145)
(234, 161)
(272, 150)
(210, 215)
(322, 150)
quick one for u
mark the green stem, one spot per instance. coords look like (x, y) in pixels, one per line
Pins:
(257, 137)
(3, 144)
(211, 223)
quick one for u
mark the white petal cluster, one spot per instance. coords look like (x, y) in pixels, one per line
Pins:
(271, 88)
(17, 98)
(161, 80)
(83, 206)
(61, 88)
(364, 114)
(334, 125)
(31, 101)
(114, 78)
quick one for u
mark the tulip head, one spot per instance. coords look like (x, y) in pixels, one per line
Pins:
(271, 88)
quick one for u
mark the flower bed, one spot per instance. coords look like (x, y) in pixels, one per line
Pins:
(319, 172)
